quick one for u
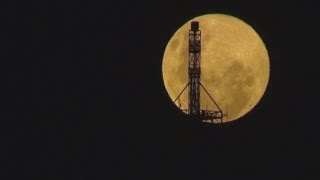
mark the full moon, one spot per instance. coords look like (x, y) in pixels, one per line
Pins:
(234, 65)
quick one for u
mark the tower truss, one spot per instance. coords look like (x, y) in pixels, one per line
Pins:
(194, 81)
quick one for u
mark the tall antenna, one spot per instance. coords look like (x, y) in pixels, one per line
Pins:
(194, 83)
(194, 69)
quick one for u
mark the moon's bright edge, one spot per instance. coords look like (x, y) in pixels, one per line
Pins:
(234, 65)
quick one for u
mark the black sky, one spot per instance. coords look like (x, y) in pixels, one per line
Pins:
(83, 96)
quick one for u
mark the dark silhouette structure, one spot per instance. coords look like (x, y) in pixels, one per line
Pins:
(194, 84)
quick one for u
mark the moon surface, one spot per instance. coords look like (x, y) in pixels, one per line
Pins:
(234, 65)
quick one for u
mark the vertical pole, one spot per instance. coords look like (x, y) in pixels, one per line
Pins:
(194, 68)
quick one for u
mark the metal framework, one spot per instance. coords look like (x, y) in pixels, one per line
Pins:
(194, 83)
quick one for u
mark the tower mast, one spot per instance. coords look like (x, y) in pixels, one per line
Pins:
(194, 68)
(194, 84)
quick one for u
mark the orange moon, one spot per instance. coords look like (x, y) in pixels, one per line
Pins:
(234, 65)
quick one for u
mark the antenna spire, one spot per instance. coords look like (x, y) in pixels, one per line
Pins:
(194, 84)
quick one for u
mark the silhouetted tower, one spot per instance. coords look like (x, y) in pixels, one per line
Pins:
(194, 68)
(194, 83)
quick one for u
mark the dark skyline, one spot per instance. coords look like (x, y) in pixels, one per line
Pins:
(84, 96)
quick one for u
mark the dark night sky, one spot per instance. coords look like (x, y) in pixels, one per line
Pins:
(84, 97)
